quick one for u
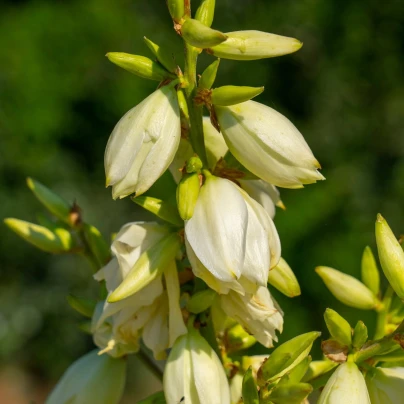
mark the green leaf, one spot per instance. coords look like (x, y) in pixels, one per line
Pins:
(98, 246)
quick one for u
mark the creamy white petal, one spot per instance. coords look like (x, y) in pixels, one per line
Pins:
(386, 385)
(183, 153)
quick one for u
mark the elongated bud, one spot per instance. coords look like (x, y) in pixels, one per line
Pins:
(176, 9)
(163, 56)
(318, 368)
(348, 289)
(187, 195)
(83, 306)
(237, 338)
(249, 389)
(283, 279)
(156, 398)
(231, 95)
(162, 209)
(54, 203)
(298, 372)
(208, 76)
(286, 356)
(57, 241)
(206, 12)
(370, 273)
(182, 102)
(148, 267)
(252, 45)
(201, 301)
(97, 244)
(338, 327)
(391, 255)
(199, 35)
(290, 393)
(360, 335)
(139, 65)
(194, 165)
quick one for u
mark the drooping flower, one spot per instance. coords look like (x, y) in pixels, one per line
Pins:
(385, 385)
(143, 143)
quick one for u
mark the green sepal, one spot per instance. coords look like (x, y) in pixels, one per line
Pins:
(140, 65)
(54, 203)
(249, 388)
(340, 330)
(83, 306)
(290, 393)
(231, 95)
(206, 12)
(286, 356)
(148, 267)
(164, 57)
(201, 301)
(360, 335)
(98, 245)
(208, 76)
(187, 195)
(162, 209)
(369, 271)
(237, 338)
(156, 398)
(199, 35)
(176, 9)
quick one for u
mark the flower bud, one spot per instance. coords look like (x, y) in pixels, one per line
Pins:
(201, 301)
(54, 203)
(162, 209)
(346, 385)
(205, 12)
(296, 374)
(286, 356)
(370, 273)
(237, 338)
(208, 76)
(348, 289)
(391, 256)
(385, 385)
(143, 143)
(83, 306)
(194, 165)
(199, 35)
(249, 389)
(176, 9)
(283, 279)
(268, 144)
(290, 393)
(318, 368)
(187, 195)
(251, 45)
(57, 241)
(231, 95)
(360, 335)
(164, 57)
(216, 147)
(194, 373)
(91, 379)
(139, 65)
(97, 244)
(339, 328)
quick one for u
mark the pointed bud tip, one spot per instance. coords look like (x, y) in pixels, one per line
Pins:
(281, 205)
(380, 218)
(30, 183)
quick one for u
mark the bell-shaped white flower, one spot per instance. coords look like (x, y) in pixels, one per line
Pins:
(385, 385)
(346, 385)
(231, 235)
(257, 313)
(143, 143)
(91, 379)
(194, 373)
(268, 144)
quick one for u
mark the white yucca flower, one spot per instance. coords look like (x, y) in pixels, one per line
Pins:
(91, 379)
(346, 385)
(268, 144)
(385, 385)
(231, 240)
(194, 373)
(143, 143)
(258, 313)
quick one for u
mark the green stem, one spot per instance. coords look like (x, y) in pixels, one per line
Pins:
(150, 363)
(382, 314)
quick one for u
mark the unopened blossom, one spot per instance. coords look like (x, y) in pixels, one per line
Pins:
(385, 385)
(143, 143)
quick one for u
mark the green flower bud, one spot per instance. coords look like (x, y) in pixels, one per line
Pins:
(286, 356)
(156, 398)
(54, 203)
(148, 267)
(338, 327)
(187, 195)
(231, 95)
(139, 65)
(208, 76)
(176, 9)
(391, 256)
(360, 335)
(162, 209)
(199, 35)
(205, 12)
(283, 279)
(298, 372)
(164, 57)
(370, 273)
(237, 338)
(290, 393)
(249, 389)
(252, 45)
(318, 368)
(201, 301)
(194, 165)
(348, 289)
(98, 246)
(83, 306)
(57, 241)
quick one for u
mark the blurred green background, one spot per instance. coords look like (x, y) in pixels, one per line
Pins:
(60, 99)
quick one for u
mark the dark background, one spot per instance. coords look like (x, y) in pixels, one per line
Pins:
(60, 99)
